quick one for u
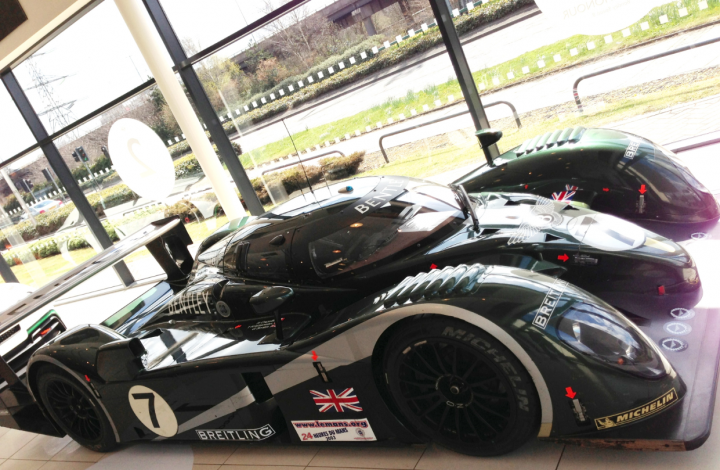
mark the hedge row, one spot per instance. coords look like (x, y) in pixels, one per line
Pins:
(295, 178)
(410, 47)
(50, 222)
(50, 247)
(364, 46)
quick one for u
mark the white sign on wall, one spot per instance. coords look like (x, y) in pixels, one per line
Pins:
(141, 159)
(594, 17)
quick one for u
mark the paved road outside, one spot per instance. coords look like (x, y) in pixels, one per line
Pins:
(499, 47)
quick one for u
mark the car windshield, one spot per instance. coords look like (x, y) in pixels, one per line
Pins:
(418, 213)
(324, 197)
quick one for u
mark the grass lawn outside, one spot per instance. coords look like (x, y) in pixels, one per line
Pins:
(45, 270)
(578, 45)
(419, 159)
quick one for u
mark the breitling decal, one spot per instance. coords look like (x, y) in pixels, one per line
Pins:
(259, 434)
(632, 149)
(547, 307)
(638, 413)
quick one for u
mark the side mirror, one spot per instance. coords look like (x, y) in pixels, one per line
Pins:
(120, 360)
(488, 137)
(270, 299)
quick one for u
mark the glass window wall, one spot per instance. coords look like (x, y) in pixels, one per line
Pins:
(306, 115)
(126, 205)
(34, 220)
(15, 136)
(86, 66)
(541, 65)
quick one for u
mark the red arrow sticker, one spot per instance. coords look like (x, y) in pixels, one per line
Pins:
(314, 356)
(642, 189)
(526, 186)
(433, 266)
(570, 392)
(564, 257)
(606, 189)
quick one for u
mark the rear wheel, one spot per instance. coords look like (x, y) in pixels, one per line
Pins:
(75, 410)
(460, 387)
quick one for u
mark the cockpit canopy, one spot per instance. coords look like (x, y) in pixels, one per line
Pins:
(338, 229)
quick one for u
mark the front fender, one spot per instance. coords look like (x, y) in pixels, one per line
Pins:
(74, 351)
(521, 309)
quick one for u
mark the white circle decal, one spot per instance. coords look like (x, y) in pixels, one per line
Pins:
(153, 411)
(141, 159)
(606, 232)
(682, 313)
(677, 328)
(595, 16)
(674, 344)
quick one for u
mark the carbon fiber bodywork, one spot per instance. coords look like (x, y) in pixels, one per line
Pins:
(607, 170)
(217, 376)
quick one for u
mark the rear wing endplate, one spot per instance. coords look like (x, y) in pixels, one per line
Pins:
(167, 241)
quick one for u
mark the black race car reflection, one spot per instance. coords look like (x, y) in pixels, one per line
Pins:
(382, 229)
(387, 309)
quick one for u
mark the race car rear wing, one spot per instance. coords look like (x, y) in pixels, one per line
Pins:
(167, 241)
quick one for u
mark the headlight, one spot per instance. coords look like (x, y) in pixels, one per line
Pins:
(610, 339)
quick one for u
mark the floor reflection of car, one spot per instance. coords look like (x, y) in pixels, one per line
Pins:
(19, 342)
(43, 207)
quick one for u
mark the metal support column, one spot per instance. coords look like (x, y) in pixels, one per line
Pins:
(61, 170)
(204, 107)
(6, 272)
(443, 17)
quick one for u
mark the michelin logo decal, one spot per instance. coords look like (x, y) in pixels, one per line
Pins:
(638, 413)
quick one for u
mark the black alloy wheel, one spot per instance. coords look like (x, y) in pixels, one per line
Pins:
(460, 387)
(75, 410)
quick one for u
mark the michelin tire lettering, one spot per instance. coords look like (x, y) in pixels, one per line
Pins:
(502, 361)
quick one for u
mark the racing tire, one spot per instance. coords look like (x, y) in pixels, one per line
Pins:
(75, 410)
(460, 387)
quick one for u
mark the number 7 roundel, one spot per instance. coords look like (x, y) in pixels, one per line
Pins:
(153, 411)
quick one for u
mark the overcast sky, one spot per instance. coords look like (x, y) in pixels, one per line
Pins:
(99, 60)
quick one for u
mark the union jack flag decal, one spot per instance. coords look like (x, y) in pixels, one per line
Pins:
(333, 401)
(566, 195)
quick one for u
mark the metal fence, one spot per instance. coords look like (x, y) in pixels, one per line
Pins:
(444, 118)
(635, 62)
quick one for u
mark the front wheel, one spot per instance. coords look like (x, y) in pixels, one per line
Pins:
(75, 410)
(460, 387)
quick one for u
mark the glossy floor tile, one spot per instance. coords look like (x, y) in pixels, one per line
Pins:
(22, 464)
(12, 441)
(42, 448)
(74, 452)
(379, 457)
(535, 455)
(212, 453)
(66, 466)
(251, 454)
